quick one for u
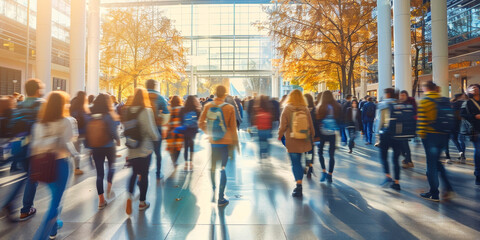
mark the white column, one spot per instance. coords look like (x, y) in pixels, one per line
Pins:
(77, 46)
(363, 81)
(93, 42)
(402, 45)
(384, 29)
(440, 44)
(44, 44)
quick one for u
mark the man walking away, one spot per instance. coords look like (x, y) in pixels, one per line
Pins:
(471, 112)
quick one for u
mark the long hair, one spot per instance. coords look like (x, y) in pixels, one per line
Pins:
(175, 101)
(263, 102)
(80, 103)
(327, 99)
(295, 98)
(102, 104)
(318, 99)
(309, 99)
(140, 99)
(192, 104)
(54, 108)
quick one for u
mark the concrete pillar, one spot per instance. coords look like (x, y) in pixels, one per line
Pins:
(384, 29)
(44, 44)
(93, 42)
(363, 79)
(77, 46)
(402, 45)
(440, 44)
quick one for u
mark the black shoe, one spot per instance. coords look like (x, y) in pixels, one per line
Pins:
(297, 192)
(309, 172)
(329, 178)
(350, 151)
(429, 196)
(395, 186)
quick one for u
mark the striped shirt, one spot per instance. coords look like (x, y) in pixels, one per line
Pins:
(427, 114)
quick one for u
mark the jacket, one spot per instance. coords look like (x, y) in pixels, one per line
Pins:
(365, 106)
(469, 111)
(228, 110)
(354, 122)
(427, 113)
(66, 131)
(382, 114)
(149, 133)
(295, 145)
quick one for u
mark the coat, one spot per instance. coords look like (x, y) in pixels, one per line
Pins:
(295, 145)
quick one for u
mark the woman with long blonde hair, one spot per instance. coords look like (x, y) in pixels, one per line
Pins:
(55, 131)
(297, 127)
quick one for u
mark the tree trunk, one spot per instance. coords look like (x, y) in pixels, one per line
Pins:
(119, 95)
(415, 69)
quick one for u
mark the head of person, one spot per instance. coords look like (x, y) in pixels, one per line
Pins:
(349, 97)
(220, 91)
(34, 88)
(370, 99)
(80, 102)
(141, 99)
(389, 93)
(192, 104)
(151, 84)
(429, 86)
(354, 104)
(403, 96)
(176, 101)
(474, 90)
(309, 99)
(295, 98)
(212, 96)
(55, 108)
(327, 99)
(263, 102)
(102, 104)
(366, 98)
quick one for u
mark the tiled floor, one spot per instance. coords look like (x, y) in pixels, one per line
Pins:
(261, 206)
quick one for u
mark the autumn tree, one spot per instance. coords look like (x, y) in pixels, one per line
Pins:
(137, 45)
(319, 39)
(418, 14)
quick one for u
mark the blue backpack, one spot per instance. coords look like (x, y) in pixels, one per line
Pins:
(190, 120)
(445, 120)
(402, 123)
(329, 123)
(216, 126)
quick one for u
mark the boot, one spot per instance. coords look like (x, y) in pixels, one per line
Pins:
(297, 192)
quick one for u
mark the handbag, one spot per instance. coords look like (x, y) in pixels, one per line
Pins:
(43, 167)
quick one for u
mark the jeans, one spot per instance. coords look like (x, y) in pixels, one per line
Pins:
(263, 136)
(140, 167)
(351, 137)
(157, 148)
(30, 186)
(331, 151)
(24, 180)
(434, 145)
(297, 168)
(343, 134)
(406, 151)
(368, 128)
(220, 153)
(99, 155)
(49, 222)
(476, 157)
(387, 142)
(459, 141)
(189, 147)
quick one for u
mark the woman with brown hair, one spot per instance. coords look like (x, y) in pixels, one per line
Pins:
(297, 127)
(55, 131)
(140, 113)
(81, 112)
(102, 130)
(175, 140)
(189, 116)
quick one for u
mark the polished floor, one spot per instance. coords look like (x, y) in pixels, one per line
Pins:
(261, 206)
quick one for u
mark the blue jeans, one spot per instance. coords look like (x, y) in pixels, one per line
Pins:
(387, 142)
(297, 168)
(331, 139)
(476, 157)
(220, 153)
(459, 142)
(351, 137)
(434, 144)
(368, 128)
(343, 134)
(49, 222)
(157, 148)
(30, 187)
(263, 136)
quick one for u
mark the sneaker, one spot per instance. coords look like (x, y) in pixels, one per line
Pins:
(405, 165)
(350, 151)
(324, 177)
(223, 202)
(78, 172)
(448, 195)
(297, 192)
(377, 145)
(28, 215)
(143, 206)
(387, 181)
(462, 160)
(395, 186)
(329, 178)
(429, 196)
(102, 205)
(449, 161)
(410, 165)
(128, 209)
(53, 236)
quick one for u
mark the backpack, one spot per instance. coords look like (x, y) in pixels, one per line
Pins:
(132, 132)
(263, 120)
(445, 120)
(97, 132)
(190, 120)
(369, 110)
(6, 110)
(153, 100)
(216, 126)
(402, 123)
(300, 125)
(24, 122)
(329, 123)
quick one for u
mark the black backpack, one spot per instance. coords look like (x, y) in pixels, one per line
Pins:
(402, 124)
(132, 130)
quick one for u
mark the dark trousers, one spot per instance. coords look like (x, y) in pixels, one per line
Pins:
(264, 145)
(157, 148)
(387, 142)
(189, 145)
(331, 151)
(351, 137)
(458, 140)
(140, 167)
(219, 154)
(406, 150)
(476, 157)
(99, 155)
(343, 133)
(434, 144)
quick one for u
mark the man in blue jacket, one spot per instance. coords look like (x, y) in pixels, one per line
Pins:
(368, 117)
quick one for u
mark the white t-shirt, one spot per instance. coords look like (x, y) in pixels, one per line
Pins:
(54, 136)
